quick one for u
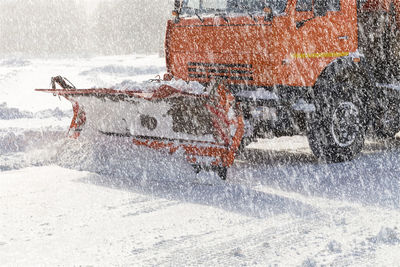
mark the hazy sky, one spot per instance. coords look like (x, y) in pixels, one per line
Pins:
(91, 4)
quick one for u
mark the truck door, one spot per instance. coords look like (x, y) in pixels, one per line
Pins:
(322, 31)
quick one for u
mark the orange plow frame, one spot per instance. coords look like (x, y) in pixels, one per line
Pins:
(221, 154)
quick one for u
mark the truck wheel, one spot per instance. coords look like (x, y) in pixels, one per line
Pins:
(336, 129)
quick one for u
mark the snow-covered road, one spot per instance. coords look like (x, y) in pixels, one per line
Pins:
(103, 201)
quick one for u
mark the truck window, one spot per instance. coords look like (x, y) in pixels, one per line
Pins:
(231, 6)
(277, 6)
(330, 5)
(214, 4)
(333, 5)
(304, 5)
(192, 4)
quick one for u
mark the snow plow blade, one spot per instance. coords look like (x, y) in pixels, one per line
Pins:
(206, 126)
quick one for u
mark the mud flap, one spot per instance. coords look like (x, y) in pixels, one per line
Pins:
(78, 120)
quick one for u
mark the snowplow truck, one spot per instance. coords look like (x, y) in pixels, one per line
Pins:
(238, 70)
(324, 68)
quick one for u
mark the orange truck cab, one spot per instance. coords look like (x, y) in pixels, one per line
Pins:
(324, 68)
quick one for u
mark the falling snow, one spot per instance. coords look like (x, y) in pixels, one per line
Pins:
(102, 200)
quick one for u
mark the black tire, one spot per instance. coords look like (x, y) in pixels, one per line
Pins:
(222, 172)
(336, 129)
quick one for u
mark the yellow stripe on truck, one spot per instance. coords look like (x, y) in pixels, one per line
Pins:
(319, 55)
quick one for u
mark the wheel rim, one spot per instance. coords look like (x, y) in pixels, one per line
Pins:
(345, 125)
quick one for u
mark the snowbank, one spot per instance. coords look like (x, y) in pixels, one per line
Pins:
(387, 236)
(8, 113)
(15, 62)
(24, 133)
(28, 148)
(28, 140)
(334, 246)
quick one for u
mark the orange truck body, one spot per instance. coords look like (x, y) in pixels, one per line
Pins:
(251, 50)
